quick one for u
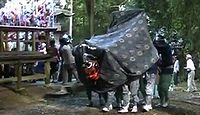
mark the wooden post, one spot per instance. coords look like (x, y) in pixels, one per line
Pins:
(26, 41)
(92, 17)
(1, 41)
(6, 47)
(90, 10)
(47, 72)
(33, 41)
(18, 74)
(47, 63)
(18, 41)
(71, 18)
(47, 37)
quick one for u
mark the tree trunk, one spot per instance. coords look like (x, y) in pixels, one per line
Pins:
(90, 10)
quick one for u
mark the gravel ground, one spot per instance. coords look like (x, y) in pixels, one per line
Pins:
(34, 101)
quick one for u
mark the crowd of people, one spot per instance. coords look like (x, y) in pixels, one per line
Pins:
(63, 67)
(155, 83)
(27, 13)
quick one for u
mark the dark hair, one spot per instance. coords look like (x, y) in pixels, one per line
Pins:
(161, 36)
(64, 41)
(52, 42)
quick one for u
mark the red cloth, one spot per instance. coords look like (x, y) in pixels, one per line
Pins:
(92, 72)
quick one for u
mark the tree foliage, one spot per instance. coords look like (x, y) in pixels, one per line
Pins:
(180, 16)
(103, 9)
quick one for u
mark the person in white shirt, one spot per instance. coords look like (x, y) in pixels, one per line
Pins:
(176, 71)
(191, 86)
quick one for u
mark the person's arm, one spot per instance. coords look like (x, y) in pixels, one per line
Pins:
(178, 66)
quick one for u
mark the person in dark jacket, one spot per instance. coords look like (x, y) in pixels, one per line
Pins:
(52, 50)
(166, 65)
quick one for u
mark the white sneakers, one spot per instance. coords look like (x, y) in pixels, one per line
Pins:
(147, 107)
(107, 109)
(134, 109)
(124, 109)
(162, 105)
(165, 105)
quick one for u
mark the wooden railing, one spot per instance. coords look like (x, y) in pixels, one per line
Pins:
(17, 57)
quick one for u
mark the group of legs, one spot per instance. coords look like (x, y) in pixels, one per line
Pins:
(63, 72)
(127, 97)
(128, 100)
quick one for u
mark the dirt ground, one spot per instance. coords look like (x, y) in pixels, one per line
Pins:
(33, 100)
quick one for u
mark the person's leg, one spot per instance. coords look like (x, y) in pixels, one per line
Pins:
(60, 75)
(166, 84)
(175, 79)
(74, 72)
(134, 87)
(155, 92)
(194, 88)
(178, 76)
(189, 82)
(160, 90)
(70, 73)
(171, 85)
(64, 73)
(105, 98)
(119, 96)
(126, 99)
(110, 100)
(53, 70)
(142, 84)
(150, 78)
(89, 96)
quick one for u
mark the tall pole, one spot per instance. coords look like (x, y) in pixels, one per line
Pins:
(92, 2)
(90, 11)
(71, 18)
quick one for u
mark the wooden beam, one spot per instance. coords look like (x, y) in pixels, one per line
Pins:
(18, 74)
(47, 72)
(25, 28)
(24, 78)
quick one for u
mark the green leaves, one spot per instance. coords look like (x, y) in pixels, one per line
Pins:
(103, 8)
(175, 15)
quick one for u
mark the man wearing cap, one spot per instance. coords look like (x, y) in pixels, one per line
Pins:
(68, 62)
(191, 86)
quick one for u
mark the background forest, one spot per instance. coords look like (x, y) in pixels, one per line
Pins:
(178, 18)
